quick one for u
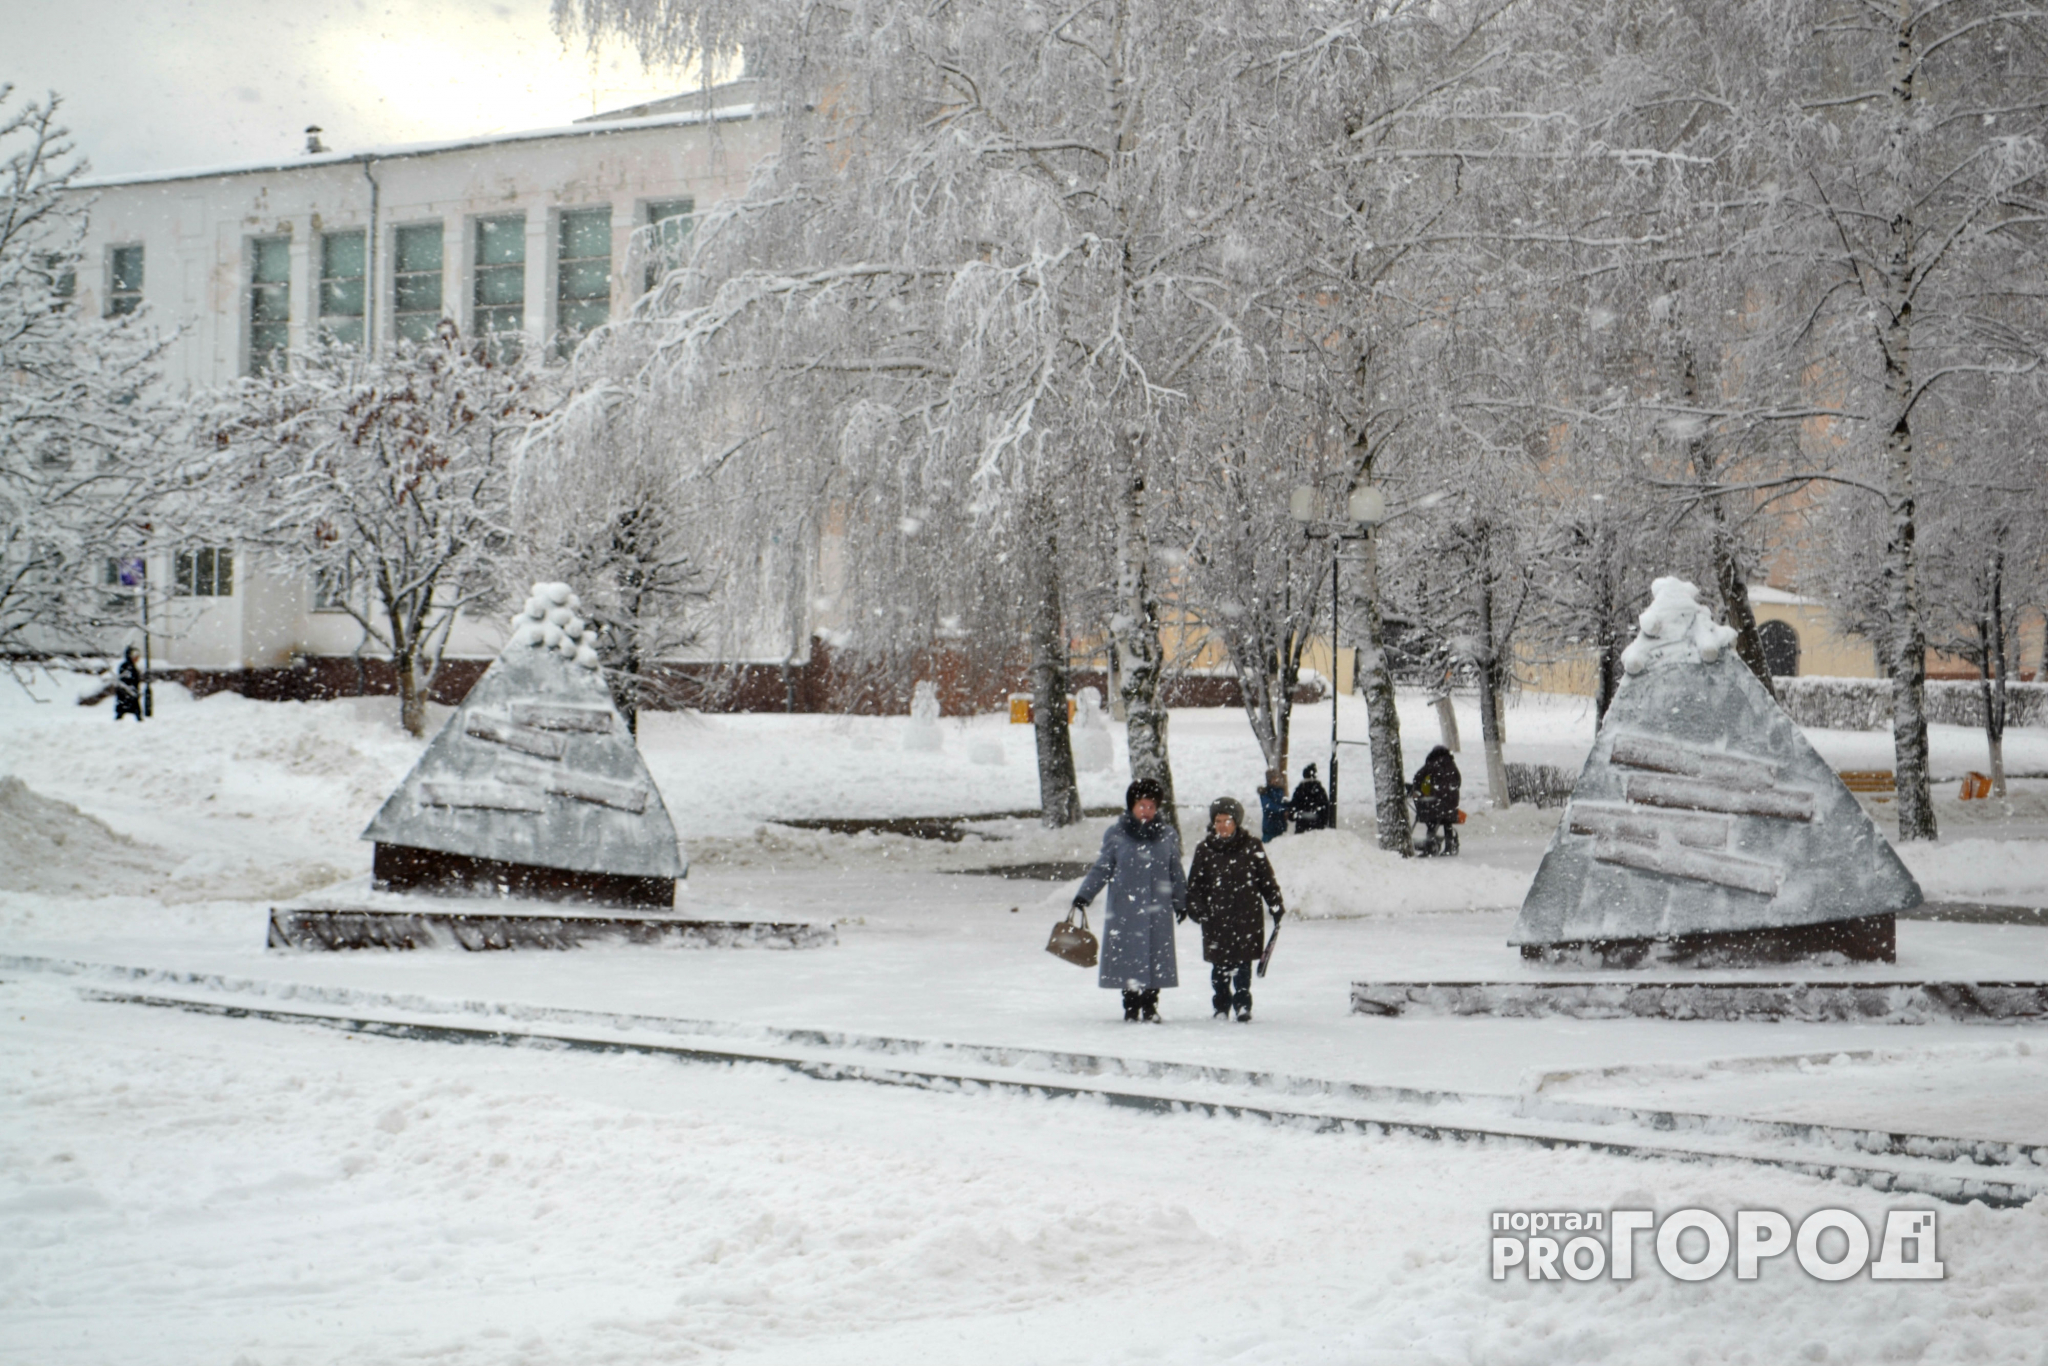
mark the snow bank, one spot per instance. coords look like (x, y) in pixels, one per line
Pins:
(52, 846)
(1332, 874)
(2005, 872)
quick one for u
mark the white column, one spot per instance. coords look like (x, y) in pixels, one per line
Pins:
(540, 276)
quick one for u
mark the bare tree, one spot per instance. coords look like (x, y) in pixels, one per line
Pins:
(596, 502)
(1913, 144)
(1987, 556)
(87, 459)
(385, 479)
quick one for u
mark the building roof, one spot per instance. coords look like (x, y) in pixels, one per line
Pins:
(730, 113)
(536, 767)
(747, 90)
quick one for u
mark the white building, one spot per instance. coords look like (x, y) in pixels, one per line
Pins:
(528, 237)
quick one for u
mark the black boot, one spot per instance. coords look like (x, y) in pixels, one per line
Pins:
(1148, 1005)
(1132, 1001)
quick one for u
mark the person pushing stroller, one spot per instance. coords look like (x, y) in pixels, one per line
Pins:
(1230, 888)
(1435, 790)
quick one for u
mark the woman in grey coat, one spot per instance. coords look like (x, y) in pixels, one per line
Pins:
(1148, 892)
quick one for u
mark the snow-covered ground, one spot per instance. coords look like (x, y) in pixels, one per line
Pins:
(178, 1186)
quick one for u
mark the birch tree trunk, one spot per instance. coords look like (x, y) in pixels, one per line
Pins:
(1902, 570)
(1136, 625)
(1059, 795)
(1992, 633)
(1383, 722)
(1490, 700)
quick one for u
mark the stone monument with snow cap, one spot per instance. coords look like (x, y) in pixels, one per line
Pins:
(1704, 827)
(534, 788)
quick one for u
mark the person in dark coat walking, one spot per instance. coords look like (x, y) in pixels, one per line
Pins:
(1435, 790)
(1273, 806)
(1230, 888)
(128, 686)
(1311, 804)
(1148, 893)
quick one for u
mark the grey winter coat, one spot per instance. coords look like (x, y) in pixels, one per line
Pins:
(1140, 864)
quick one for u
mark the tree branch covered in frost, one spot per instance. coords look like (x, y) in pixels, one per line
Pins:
(87, 456)
(387, 480)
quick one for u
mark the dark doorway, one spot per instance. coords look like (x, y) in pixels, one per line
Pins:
(1781, 648)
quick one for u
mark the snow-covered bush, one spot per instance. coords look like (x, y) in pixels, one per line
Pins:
(1866, 703)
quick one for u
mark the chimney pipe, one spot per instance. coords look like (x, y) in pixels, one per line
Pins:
(313, 143)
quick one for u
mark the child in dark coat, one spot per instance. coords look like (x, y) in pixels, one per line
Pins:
(1230, 888)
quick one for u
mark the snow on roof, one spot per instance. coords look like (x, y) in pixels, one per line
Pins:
(1763, 592)
(536, 766)
(729, 114)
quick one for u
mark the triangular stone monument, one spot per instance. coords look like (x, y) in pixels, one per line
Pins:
(534, 787)
(1704, 827)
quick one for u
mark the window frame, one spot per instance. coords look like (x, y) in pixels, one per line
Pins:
(659, 253)
(198, 572)
(503, 343)
(567, 335)
(123, 301)
(406, 323)
(328, 286)
(330, 592)
(262, 358)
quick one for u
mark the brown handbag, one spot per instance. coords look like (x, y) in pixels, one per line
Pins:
(1073, 942)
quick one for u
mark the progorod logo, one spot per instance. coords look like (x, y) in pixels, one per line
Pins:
(1829, 1244)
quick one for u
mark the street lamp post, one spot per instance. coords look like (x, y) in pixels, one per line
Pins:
(1366, 508)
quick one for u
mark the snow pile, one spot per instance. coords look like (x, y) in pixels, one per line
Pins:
(1335, 874)
(52, 846)
(2010, 872)
(550, 619)
(1675, 628)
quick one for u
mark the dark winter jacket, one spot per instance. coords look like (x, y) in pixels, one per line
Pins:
(1140, 865)
(1436, 788)
(1311, 806)
(1272, 813)
(127, 690)
(1230, 888)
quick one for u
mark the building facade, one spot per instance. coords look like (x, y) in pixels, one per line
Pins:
(525, 240)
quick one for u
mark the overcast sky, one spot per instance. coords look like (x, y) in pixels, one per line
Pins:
(161, 84)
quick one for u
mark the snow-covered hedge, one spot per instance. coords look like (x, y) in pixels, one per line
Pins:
(1540, 785)
(1866, 703)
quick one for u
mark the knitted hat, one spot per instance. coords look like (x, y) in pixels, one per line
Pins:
(1144, 787)
(1227, 806)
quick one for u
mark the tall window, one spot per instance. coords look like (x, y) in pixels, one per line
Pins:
(208, 572)
(501, 282)
(583, 277)
(124, 280)
(58, 270)
(342, 260)
(123, 579)
(330, 590)
(416, 285)
(270, 302)
(668, 239)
